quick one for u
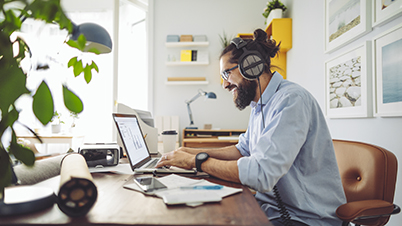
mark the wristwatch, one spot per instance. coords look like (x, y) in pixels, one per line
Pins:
(199, 159)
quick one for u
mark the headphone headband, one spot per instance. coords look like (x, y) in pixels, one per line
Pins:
(239, 43)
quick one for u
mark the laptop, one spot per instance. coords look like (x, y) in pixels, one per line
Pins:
(136, 148)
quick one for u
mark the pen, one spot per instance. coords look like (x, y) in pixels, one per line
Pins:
(206, 187)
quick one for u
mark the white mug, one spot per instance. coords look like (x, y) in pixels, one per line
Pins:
(169, 140)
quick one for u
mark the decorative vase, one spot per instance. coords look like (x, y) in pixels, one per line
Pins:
(274, 14)
(56, 128)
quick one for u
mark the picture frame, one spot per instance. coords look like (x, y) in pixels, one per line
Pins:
(387, 71)
(348, 83)
(384, 11)
(345, 21)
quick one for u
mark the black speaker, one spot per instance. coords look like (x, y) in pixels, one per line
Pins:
(251, 64)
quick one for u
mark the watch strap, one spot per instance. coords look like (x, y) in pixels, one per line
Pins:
(198, 161)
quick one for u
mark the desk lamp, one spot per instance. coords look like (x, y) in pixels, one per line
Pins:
(96, 36)
(209, 95)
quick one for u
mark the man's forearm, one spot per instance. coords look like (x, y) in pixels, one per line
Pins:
(226, 170)
(225, 153)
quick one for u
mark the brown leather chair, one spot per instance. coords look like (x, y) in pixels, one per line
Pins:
(368, 174)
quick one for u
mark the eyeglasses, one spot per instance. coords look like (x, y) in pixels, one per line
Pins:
(225, 74)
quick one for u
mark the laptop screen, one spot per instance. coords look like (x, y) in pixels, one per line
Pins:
(133, 140)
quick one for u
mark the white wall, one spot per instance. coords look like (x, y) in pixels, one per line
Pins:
(210, 18)
(305, 66)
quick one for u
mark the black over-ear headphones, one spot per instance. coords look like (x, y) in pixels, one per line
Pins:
(251, 64)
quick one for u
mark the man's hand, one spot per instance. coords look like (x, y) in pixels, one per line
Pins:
(179, 158)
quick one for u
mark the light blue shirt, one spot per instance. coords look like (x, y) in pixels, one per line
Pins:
(295, 152)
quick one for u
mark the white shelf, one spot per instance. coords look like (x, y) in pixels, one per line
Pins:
(181, 63)
(187, 83)
(184, 44)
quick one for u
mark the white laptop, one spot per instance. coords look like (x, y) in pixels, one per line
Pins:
(136, 149)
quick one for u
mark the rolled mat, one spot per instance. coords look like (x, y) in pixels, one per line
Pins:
(77, 192)
(42, 170)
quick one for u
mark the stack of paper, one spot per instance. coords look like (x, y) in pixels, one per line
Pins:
(177, 194)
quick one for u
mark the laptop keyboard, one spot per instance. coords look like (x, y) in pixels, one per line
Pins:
(152, 164)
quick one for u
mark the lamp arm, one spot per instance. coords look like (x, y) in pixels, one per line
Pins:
(194, 98)
(190, 115)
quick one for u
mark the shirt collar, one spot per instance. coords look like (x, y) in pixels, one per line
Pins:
(271, 89)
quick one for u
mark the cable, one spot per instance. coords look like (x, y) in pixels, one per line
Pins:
(285, 216)
(262, 114)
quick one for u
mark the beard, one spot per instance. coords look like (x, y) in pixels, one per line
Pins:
(245, 93)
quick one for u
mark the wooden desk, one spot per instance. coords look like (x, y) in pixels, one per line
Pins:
(207, 138)
(119, 206)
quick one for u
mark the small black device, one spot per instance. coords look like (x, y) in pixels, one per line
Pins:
(199, 159)
(101, 154)
(149, 184)
(251, 63)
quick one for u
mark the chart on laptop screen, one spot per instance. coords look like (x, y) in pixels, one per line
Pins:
(132, 138)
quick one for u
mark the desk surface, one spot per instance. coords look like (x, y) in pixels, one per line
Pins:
(117, 205)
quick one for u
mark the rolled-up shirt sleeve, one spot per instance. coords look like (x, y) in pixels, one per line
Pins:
(277, 146)
(243, 144)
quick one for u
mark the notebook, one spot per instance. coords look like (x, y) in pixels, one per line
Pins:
(136, 149)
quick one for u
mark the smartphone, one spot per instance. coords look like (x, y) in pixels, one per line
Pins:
(149, 184)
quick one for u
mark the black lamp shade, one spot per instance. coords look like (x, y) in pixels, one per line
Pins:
(96, 36)
(211, 95)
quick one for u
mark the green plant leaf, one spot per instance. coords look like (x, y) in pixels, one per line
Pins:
(72, 101)
(81, 40)
(42, 105)
(88, 73)
(11, 22)
(5, 169)
(13, 84)
(73, 44)
(20, 152)
(72, 62)
(8, 119)
(78, 69)
(95, 66)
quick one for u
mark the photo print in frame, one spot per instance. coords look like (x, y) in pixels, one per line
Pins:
(387, 68)
(345, 21)
(348, 84)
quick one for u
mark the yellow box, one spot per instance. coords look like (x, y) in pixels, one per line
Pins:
(185, 55)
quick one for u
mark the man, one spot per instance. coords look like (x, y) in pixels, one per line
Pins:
(286, 154)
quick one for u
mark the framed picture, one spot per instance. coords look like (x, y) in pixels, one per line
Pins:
(385, 10)
(345, 21)
(348, 84)
(387, 68)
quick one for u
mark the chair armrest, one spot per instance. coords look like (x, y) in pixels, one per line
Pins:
(364, 209)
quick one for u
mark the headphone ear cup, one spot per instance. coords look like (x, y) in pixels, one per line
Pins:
(251, 65)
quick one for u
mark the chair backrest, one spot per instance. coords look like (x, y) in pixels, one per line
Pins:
(367, 171)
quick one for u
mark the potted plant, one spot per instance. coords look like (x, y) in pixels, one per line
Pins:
(13, 80)
(274, 9)
(74, 116)
(56, 126)
(225, 40)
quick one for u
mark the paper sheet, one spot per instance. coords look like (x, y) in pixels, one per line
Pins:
(191, 197)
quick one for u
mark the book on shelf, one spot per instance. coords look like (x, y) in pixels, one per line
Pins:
(185, 55)
(193, 55)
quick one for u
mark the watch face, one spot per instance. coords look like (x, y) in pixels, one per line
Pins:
(201, 156)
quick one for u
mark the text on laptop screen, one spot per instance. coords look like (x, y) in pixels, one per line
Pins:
(132, 138)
